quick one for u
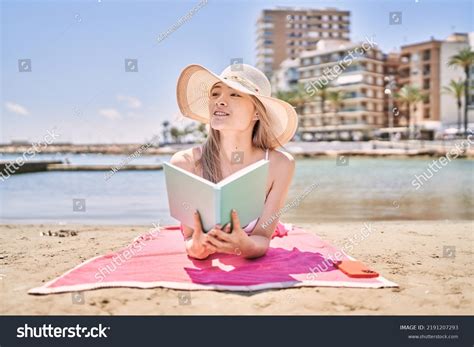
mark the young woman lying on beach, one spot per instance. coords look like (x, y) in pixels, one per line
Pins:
(242, 117)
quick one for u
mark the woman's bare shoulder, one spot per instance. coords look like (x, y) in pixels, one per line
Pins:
(186, 158)
(282, 166)
(282, 160)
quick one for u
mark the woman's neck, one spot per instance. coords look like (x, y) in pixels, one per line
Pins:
(236, 147)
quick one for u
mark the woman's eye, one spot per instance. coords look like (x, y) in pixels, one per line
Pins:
(214, 94)
(233, 94)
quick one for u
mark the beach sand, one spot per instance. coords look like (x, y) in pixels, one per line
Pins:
(409, 253)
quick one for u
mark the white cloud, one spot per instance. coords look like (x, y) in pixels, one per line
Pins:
(130, 101)
(16, 108)
(110, 113)
(133, 114)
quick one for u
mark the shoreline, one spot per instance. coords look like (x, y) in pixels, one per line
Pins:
(97, 223)
(374, 148)
(409, 253)
(389, 154)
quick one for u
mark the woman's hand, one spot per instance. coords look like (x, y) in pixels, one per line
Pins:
(225, 240)
(199, 247)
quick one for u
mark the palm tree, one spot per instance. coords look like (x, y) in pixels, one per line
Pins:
(464, 59)
(322, 93)
(165, 126)
(296, 97)
(456, 89)
(175, 134)
(336, 98)
(409, 96)
(202, 130)
(190, 128)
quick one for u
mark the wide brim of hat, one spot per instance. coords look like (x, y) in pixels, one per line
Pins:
(193, 90)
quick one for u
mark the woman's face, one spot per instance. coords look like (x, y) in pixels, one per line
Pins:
(230, 109)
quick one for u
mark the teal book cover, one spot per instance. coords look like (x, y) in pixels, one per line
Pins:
(243, 191)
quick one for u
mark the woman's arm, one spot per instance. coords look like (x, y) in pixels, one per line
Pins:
(263, 231)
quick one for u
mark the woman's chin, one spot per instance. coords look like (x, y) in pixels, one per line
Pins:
(219, 124)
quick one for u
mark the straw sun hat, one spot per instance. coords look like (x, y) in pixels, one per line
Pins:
(195, 83)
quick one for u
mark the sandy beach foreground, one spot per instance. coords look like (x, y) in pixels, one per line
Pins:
(433, 279)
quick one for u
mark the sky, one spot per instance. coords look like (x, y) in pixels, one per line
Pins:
(78, 84)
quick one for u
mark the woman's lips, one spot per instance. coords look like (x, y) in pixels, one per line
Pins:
(220, 114)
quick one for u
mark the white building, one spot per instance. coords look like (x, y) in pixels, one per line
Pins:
(285, 78)
(425, 65)
(356, 71)
(448, 105)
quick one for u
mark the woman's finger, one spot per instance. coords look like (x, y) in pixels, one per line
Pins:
(197, 223)
(227, 228)
(214, 241)
(220, 235)
(235, 220)
(214, 232)
(210, 247)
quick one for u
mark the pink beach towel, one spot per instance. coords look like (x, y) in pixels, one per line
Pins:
(296, 258)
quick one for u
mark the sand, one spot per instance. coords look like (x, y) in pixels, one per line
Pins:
(409, 253)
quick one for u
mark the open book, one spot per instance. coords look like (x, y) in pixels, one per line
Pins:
(243, 191)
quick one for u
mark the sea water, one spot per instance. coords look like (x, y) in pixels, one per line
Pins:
(322, 190)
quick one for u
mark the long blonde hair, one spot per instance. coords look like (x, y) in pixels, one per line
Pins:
(262, 137)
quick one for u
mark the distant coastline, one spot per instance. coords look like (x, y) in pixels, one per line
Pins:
(297, 149)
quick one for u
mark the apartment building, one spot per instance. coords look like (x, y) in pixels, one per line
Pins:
(357, 76)
(286, 77)
(425, 65)
(420, 67)
(284, 33)
(391, 79)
